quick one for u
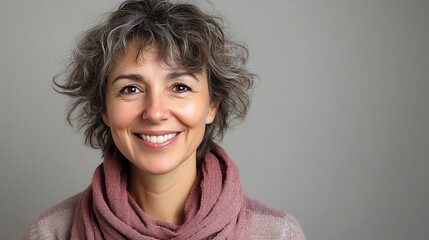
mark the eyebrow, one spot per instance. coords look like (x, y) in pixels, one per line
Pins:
(174, 75)
(170, 76)
(136, 77)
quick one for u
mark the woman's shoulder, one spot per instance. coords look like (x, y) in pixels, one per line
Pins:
(270, 223)
(53, 223)
(267, 222)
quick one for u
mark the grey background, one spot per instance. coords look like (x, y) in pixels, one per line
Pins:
(337, 134)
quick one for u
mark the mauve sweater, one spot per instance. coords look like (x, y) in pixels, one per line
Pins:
(266, 223)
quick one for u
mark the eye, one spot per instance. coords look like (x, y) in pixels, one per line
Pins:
(181, 88)
(130, 89)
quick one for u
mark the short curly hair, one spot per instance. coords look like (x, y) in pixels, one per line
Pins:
(184, 35)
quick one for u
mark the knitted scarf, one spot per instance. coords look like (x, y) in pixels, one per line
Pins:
(215, 208)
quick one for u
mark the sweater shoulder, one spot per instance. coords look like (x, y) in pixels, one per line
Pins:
(53, 223)
(270, 223)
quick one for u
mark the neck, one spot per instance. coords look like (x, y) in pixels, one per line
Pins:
(163, 197)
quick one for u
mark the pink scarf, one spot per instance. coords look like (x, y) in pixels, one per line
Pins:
(215, 208)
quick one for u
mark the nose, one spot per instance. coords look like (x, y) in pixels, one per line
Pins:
(155, 108)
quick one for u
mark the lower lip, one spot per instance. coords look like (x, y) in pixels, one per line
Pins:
(157, 146)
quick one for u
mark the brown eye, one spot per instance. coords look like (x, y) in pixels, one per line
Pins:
(130, 90)
(181, 88)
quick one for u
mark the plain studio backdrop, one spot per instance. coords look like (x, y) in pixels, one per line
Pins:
(338, 131)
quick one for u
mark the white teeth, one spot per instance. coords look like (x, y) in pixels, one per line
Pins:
(158, 139)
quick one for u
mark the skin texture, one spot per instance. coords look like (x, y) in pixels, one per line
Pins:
(146, 97)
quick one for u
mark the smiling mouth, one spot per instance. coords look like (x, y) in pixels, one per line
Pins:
(157, 139)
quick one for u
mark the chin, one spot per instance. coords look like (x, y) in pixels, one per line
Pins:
(154, 166)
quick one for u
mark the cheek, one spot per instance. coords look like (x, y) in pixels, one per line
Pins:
(192, 114)
(121, 115)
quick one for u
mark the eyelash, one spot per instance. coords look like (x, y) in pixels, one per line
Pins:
(136, 89)
(181, 85)
(129, 87)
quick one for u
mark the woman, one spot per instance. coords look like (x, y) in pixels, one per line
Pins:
(153, 86)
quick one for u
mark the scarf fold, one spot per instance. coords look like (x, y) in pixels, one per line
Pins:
(215, 208)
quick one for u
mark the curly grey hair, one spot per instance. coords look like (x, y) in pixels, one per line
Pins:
(185, 37)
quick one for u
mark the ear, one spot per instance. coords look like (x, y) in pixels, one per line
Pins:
(105, 118)
(214, 105)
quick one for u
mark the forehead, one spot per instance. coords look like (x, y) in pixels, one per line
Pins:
(136, 54)
(138, 51)
(146, 61)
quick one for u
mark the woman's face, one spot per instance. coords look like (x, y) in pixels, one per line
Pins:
(157, 115)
